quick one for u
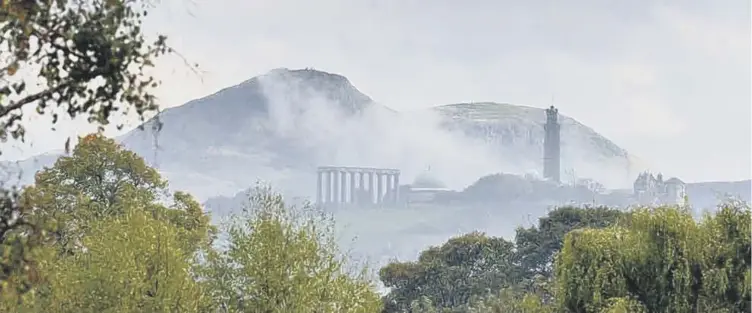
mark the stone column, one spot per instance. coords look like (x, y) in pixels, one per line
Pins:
(385, 198)
(330, 187)
(333, 177)
(362, 188)
(335, 188)
(396, 188)
(390, 188)
(379, 189)
(319, 177)
(369, 188)
(325, 186)
(351, 199)
(342, 186)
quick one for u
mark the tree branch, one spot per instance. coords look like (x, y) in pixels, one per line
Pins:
(32, 98)
(46, 93)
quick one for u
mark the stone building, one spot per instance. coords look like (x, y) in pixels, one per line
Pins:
(424, 189)
(652, 189)
(340, 186)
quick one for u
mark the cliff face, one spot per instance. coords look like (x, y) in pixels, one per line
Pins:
(279, 126)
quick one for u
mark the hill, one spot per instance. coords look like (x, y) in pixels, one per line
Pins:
(517, 134)
(278, 127)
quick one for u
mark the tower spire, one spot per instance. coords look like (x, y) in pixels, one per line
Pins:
(552, 145)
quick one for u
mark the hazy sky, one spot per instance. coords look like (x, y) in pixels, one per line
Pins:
(667, 80)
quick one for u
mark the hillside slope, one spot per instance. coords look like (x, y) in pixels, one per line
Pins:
(279, 126)
(517, 134)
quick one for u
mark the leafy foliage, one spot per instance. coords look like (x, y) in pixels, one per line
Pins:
(449, 275)
(91, 58)
(66, 57)
(132, 263)
(510, 301)
(284, 259)
(101, 180)
(662, 260)
(537, 246)
(99, 231)
(448, 278)
(103, 183)
(646, 260)
(18, 241)
(120, 242)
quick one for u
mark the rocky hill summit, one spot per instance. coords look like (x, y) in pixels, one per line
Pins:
(278, 127)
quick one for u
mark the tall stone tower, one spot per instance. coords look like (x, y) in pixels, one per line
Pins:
(552, 146)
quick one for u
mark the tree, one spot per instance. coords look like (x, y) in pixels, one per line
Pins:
(103, 184)
(91, 58)
(284, 259)
(509, 300)
(100, 180)
(661, 260)
(727, 261)
(131, 263)
(537, 246)
(448, 276)
(19, 240)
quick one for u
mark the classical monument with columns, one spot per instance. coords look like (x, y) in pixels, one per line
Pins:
(357, 186)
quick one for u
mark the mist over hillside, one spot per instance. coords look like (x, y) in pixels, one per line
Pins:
(516, 133)
(278, 127)
(495, 204)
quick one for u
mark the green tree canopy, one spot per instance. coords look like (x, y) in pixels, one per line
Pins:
(69, 58)
(126, 250)
(661, 260)
(284, 259)
(538, 245)
(449, 275)
(131, 263)
(101, 179)
(18, 240)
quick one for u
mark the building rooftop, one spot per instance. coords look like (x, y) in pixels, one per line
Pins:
(426, 180)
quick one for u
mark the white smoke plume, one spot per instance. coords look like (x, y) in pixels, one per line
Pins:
(374, 136)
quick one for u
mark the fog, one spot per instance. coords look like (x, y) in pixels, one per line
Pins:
(374, 136)
(325, 121)
(278, 127)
